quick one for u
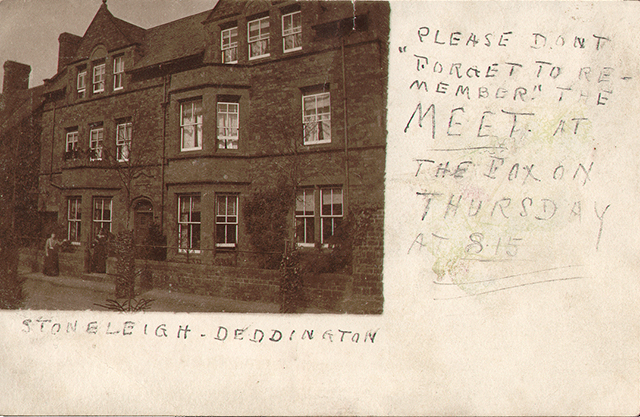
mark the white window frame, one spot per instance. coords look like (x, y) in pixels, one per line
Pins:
(81, 84)
(332, 218)
(118, 72)
(306, 216)
(227, 220)
(189, 224)
(101, 206)
(261, 38)
(74, 219)
(315, 121)
(228, 125)
(71, 142)
(123, 141)
(227, 45)
(99, 77)
(294, 32)
(96, 143)
(194, 123)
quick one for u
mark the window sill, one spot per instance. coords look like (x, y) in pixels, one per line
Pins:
(286, 51)
(305, 245)
(189, 251)
(319, 142)
(118, 89)
(190, 149)
(226, 246)
(251, 58)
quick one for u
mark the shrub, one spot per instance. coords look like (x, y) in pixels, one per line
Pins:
(266, 213)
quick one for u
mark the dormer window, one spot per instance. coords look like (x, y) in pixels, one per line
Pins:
(229, 45)
(81, 83)
(98, 77)
(118, 71)
(292, 32)
(258, 37)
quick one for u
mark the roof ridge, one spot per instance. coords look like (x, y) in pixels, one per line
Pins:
(181, 19)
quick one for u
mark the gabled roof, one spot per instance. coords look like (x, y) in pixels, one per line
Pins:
(228, 8)
(174, 40)
(110, 31)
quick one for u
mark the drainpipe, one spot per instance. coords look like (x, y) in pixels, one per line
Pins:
(53, 140)
(346, 135)
(165, 79)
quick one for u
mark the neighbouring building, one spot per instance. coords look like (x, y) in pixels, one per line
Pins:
(174, 129)
(20, 127)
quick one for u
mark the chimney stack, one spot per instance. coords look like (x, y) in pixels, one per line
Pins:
(16, 77)
(68, 46)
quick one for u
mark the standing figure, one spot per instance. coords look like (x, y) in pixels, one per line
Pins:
(51, 247)
(99, 258)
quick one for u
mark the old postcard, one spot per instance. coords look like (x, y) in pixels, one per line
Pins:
(319, 207)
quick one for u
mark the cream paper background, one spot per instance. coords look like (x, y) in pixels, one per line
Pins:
(562, 347)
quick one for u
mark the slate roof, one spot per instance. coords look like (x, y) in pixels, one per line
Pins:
(174, 40)
(226, 8)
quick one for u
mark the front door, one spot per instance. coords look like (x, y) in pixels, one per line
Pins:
(142, 225)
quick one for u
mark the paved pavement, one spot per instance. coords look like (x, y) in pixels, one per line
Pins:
(75, 293)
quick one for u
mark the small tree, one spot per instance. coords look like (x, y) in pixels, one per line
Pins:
(129, 168)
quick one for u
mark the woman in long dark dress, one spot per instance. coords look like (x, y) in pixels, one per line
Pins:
(51, 266)
(99, 258)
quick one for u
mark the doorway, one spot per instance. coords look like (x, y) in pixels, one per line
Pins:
(143, 213)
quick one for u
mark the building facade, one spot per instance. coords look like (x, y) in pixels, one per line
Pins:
(177, 127)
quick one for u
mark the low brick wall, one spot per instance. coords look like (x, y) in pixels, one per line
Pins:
(244, 284)
(332, 292)
(70, 263)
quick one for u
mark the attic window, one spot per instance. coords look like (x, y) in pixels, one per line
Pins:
(118, 70)
(292, 31)
(98, 77)
(81, 82)
(258, 35)
(229, 45)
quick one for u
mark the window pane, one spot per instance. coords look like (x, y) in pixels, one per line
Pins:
(188, 137)
(222, 205)
(195, 237)
(231, 206)
(187, 113)
(300, 202)
(309, 105)
(327, 229)
(300, 228)
(197, 110)
(310, 230)
(220, 233)
(183, 237)
(231, 233)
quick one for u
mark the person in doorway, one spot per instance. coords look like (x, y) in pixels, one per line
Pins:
(99, 258)
(51, 266)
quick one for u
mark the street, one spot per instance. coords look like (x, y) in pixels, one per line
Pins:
(70, 293)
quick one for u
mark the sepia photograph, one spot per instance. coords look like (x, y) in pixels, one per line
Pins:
(228, 160)
(281, 207)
